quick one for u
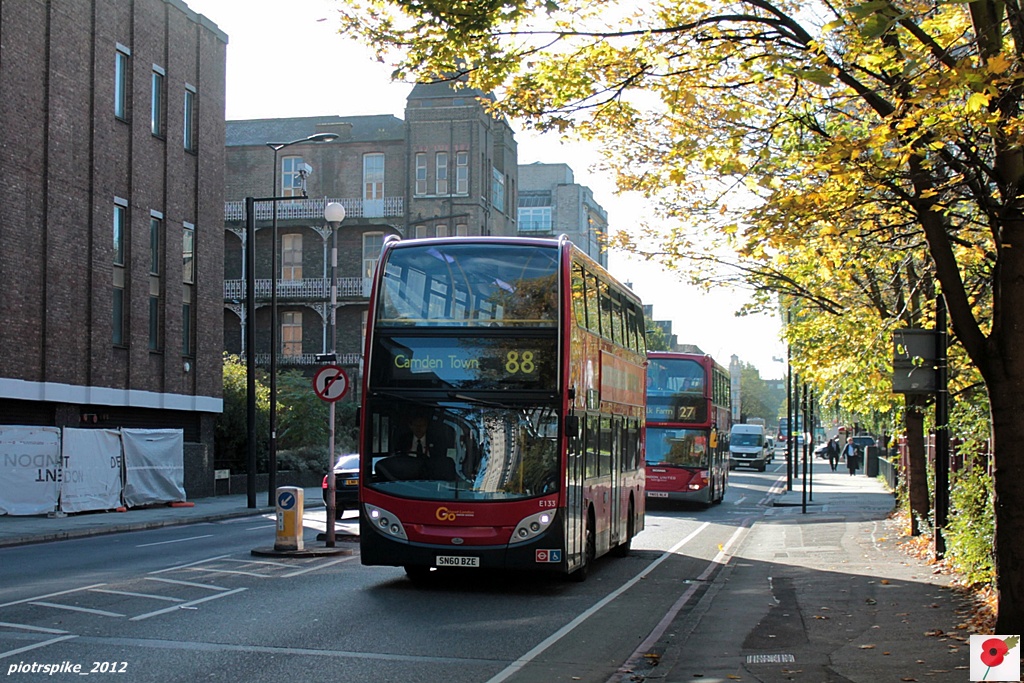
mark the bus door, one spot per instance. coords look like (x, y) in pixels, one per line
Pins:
(574, 491)
(617, 528)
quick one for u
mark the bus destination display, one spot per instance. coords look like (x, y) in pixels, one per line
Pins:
(466, 363)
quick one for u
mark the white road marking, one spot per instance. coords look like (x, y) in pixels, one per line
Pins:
(177, 540)
(319, 566)
(72, 608)
(52, 595)
(26, 627)
(190, 564)
(186, 605)
(187, 583)
(137, 595)
(27, 648)
(593, 609)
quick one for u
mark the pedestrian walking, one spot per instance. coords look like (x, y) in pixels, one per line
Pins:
(832, 451)
(852, 455)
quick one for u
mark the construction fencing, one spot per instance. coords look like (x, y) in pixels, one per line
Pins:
(47, 470)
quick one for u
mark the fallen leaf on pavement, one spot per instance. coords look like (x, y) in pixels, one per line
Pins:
(867, 647)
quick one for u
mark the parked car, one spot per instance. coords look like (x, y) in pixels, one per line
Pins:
(821, 450)
(863, 441)
(346, 484)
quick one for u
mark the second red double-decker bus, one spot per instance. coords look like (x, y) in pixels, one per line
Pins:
(688, 421)
(502, 414)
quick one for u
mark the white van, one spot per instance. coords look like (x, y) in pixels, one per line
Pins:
(748, 447)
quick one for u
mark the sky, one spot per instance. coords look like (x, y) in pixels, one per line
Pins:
(285, 58)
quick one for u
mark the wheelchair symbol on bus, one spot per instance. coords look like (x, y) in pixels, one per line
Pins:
(548, 556)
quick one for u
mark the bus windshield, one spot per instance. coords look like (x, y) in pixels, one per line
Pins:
(681, 447)
(675, 391)
(470, 285)
(469, 450)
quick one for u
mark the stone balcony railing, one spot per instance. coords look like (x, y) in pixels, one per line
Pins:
(344, 359)
(308, 289)
(313, 208)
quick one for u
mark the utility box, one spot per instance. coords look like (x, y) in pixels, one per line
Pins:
(290, 505)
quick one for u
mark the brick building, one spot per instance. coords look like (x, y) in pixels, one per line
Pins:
(448, 168)
(112, 157)
(552, 203)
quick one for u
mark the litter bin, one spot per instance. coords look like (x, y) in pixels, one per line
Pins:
(871, 461)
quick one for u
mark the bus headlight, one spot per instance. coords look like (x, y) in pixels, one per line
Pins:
(531, 527)
(385, 522)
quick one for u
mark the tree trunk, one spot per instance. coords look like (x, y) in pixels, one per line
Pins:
(1007, 397)
(917, 471)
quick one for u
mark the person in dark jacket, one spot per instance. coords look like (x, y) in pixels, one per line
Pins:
(852, 455)
(832, 451)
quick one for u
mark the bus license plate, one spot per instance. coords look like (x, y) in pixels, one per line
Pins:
(657, 494)
(457, 561)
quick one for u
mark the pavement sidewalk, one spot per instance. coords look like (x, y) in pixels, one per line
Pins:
(819, 590)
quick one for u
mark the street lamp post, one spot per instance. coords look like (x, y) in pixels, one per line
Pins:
(274, 342)
(334, 213)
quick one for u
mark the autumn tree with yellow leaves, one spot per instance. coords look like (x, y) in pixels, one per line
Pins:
(805, 135)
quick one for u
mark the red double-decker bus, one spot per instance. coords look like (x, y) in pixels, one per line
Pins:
(502, 415)
(688, 422)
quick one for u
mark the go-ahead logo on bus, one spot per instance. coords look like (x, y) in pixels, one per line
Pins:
(553, 555)
(446, 514)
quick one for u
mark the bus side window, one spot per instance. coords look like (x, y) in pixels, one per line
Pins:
(591, 447)
(579, 295)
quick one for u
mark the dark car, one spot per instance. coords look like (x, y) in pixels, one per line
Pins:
(863, 441)
(346, 484)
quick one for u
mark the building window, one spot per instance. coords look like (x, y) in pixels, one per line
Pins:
(121, 82)
(189, 126)
(497, 189)
(291, 333)
(291, 178)
(441, 231)
(535, 219)
(373, 176)
(120, 230)
(155, 230)
(373, 242)
(156, 221)
(421, 231)
(188, 252)
(291, 257)
(441, 173)
(462, 173)
(157, 117)
(461, 230)
(117, 300)
(421, 173)
(188, 279)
